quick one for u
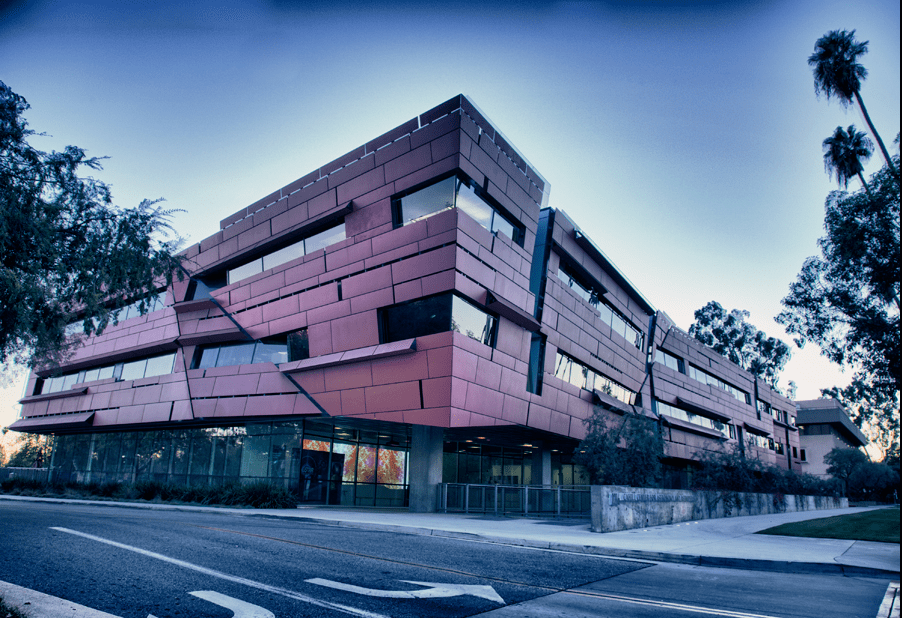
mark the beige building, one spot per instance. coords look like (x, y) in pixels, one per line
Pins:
(824, 425)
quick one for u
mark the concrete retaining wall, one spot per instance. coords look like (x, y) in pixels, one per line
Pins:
(625, 508)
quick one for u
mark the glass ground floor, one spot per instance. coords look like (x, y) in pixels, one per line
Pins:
(320, 462)
(334, 461)
(470, 461)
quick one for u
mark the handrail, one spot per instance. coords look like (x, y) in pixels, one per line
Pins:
(545, 500)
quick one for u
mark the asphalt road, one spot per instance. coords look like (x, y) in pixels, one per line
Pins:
(135, 563)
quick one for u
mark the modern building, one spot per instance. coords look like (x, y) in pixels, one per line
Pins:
(824, 425)
(408, 314)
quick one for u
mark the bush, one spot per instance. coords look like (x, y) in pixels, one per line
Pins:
(861, 478)
(731, 471)
(623, 450)
(258, 494)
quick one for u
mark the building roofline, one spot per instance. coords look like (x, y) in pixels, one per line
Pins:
(589, 246)
(829, 412)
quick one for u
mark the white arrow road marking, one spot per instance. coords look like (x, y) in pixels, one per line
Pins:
(433, 591)
(238, 580)
(241, 609)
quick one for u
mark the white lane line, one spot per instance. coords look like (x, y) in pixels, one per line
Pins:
(667, 605)
(890, 606)
(238, 580)
(433, 590)
(240, 609)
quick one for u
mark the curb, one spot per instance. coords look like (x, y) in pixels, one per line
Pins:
(749, 564)
(34, 603)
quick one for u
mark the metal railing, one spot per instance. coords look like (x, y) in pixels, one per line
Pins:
(35, 474)
(526, 500)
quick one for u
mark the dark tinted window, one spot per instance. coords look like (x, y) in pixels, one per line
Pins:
(298, 345)
(417, 318)
(437, 314)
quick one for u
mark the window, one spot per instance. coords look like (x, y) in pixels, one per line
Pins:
(275, 350)
(437, 314)
(202, 288)
(760, 441)
(669, 360)
(802, 451)
(293, 251)
(585, 292)
(536, 362)
(704, 377)
(608, 314)
(131, 370)
(133, 310)
(778, 415)
(727, 430)
(298, 345)
(455, 192)
(572, 371)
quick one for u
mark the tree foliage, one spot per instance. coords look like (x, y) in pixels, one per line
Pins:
(874, 411)
(67, 253)
(847, 299)
(861, 478)
(731, 336)
(622, 450)
(729, 470)
(29, 452)
(838, 74)
(844, 152)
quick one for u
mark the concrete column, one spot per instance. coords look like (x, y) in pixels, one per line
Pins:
(426, 448)
(541, 475)
(541, 466)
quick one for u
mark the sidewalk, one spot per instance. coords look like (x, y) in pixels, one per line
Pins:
(730, 542)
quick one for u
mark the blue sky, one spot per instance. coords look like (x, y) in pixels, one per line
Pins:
(683, 137)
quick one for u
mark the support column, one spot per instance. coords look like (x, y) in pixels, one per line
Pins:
(541, 475)
(426, 448)
(541, 466)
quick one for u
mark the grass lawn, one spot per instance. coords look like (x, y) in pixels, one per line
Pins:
(879, 525)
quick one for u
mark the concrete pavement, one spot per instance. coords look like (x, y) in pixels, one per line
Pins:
(729, 542)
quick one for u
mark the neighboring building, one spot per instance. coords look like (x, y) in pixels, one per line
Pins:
(408, 314)
(825, 425)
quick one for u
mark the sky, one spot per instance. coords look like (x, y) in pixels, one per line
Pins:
(683, 137)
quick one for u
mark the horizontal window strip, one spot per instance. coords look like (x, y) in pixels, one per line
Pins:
(358, 272)
(727, 430)
(342, 278)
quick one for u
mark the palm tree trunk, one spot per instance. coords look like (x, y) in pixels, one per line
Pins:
(864, 184)
(867, 119)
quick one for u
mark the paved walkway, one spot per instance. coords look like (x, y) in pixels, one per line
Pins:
(730, 542)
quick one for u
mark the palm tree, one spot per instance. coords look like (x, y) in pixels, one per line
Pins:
(843, 154)
(837, 73)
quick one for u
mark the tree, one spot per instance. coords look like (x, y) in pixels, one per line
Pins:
(861, 478)
(67, 253)
(874, 411)
(847, 299)
(622, 450)
(873, 481)
(837, 73)
(29, 453)
(843, 154)
(731, 336)
(842, 463)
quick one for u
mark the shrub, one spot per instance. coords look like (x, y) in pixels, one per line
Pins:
(258, 494)
(731, 471)
(623, 450)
